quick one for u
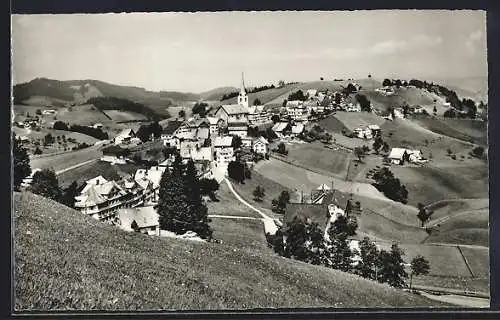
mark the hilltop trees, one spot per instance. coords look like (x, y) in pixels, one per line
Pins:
(386, 83)
(298, 95)
(180, 207)
(45, 184)
(21, 162)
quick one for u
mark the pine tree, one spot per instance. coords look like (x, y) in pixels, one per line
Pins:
(45, 184)
(21, 162)
(172, 203)
(368, 252)
(391, 267)
(69, 194)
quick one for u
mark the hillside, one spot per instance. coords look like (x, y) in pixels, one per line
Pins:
(65, 260)
(217, 93)
(475, 88)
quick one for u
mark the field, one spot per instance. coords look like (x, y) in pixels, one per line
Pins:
(331, 124)
(228, 205)
(65, 160)
(316, 157)
(85, 115)
(353, 120)
(272, 190)
(466, 130)
(117, 115)
(477, 260)
(300, 179)
(442, 183)
(410, 96)
(138, 272)
(43, 101)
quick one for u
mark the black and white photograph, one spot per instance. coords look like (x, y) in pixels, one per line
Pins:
(250, 160)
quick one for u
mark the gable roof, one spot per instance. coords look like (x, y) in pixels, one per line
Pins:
(127, 133)
(213, 120)
(90, 198)
(172, 126)
(232, 109)
(298, 128)
(261, 139)
(397, 153)
(144, 217)
(280, 126)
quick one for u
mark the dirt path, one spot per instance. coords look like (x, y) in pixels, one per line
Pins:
(269, 225)
(463, 301)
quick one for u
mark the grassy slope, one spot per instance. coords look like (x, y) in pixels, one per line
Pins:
(466, 130)
(67, 261)
(65, 160)
(353, 120)
(228, 205)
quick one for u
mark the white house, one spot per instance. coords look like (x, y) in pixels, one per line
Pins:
(398, 113)
(223, 149)
(296, 110)
(363, 133)
(353, 107)
(297, 129)
(397, 155)
(311, 92)
(215, 124)
(124, 136)
(246, 142)
(97, 126)
(49, 112)
(375, 129)
(257, 115)
(260, 145)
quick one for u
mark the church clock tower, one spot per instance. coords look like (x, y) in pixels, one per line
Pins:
(242, 97)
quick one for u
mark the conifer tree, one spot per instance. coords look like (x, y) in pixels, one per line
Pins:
(21, 162)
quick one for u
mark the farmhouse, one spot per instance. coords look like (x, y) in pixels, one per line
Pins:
(257, 115)
(363, 133)
(311, 92)
(215, 125)
(280, 128)
(397, 155)
(260, 146)
(124, 136)
(296, 110)
(353, 107)
(49, 112)
(170, 129)
(223, 149)
(297, 129)
(97, 126)
(398, 113)
(375, 129)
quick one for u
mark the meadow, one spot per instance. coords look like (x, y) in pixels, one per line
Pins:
(138, 272)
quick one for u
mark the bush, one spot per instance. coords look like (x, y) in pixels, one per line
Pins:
(390, 185)
(59, 125)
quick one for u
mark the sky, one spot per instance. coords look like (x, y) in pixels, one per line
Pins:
(195, 52)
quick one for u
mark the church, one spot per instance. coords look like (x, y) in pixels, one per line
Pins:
(235, 112)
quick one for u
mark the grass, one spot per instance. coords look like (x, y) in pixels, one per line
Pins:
(478, 260)
(64, 261)
(353, 120)
(446, 207)
(442, 183)
(331, 124)
(85, 115)
(461, 283)
(65, 160)
(466, 130)
(468, 236)
(316, 156)
(228, 205)
(272, 190)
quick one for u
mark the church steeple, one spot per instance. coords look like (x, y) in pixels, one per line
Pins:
(242, 97)
(242, 89)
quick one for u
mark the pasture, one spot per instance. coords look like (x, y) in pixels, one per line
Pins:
(353, 120)
(169, 273)
(331, 124)
(431, 183)
(228, 205)
(85, 115)
(462, 129)
(61, 161)
(316, 157)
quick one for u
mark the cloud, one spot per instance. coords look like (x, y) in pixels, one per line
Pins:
(415, 43)
(473, 41)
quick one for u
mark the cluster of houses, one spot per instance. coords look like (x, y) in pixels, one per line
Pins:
(367, 132)
(402, 155)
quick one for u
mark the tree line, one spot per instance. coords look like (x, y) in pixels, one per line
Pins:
(97, 133)
(305, 241)
(113, 103)
(253, 90)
